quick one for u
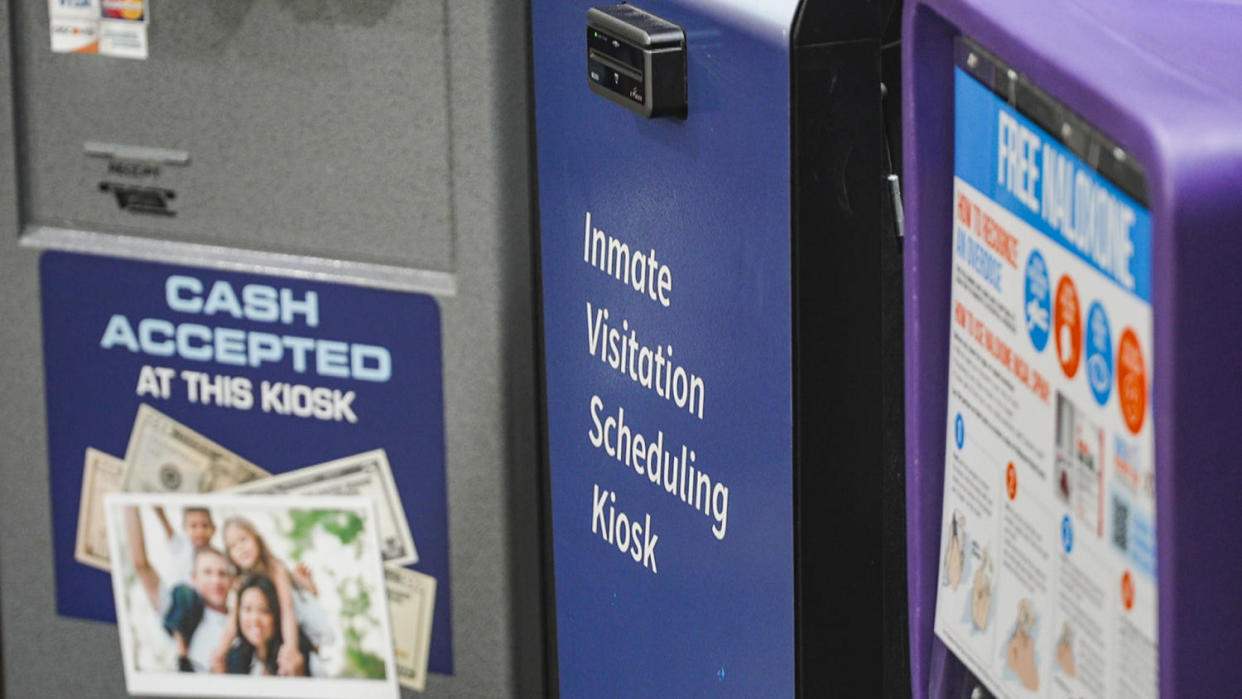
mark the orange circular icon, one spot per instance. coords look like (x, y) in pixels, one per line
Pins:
(1131, 381)
(1127, 591)
(1067, 326)
(1011, 481)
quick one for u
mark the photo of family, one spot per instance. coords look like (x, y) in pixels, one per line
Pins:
(232, 595)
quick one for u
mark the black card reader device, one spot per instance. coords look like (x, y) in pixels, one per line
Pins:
(637, 60)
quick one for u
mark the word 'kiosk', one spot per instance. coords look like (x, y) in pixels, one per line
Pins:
(1072, 199)
(720, 268)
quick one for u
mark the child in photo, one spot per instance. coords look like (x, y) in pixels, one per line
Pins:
(197, 528)
(295, 599)
(194, 614)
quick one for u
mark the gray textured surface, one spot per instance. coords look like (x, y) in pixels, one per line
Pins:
(421, 162)
(304, 120)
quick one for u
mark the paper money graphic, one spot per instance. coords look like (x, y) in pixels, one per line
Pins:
(165, 456)
(101, 474)
(411, 603)
(361, 474)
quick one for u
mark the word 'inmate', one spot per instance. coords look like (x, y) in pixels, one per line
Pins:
(641, 272)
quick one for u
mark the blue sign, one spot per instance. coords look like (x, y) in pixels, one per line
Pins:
(666, 298)
(1099, 353)
(284, 372)
(1051, 189)
(1038, 300)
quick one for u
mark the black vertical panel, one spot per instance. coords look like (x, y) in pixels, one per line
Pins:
(849, 489)
(896, 623)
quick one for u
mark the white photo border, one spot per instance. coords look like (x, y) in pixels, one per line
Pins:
(214, 685)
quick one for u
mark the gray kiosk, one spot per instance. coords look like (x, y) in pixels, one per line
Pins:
(364, 152)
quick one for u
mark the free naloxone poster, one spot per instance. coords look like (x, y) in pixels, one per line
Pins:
(1047, 560)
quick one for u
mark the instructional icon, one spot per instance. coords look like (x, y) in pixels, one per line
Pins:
(1099, 354)
(1038, 300)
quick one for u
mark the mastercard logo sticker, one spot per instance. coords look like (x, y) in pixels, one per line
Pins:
(124, 9)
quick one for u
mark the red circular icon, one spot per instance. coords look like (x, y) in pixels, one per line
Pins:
(1127, 591)
(1131, 381)
(1011, 481)
(1067, 326)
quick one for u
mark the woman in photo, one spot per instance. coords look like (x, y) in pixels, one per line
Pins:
(258, 632)
(300, 612)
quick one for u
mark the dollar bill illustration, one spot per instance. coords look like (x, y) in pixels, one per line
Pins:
(411, 605)
(101, 474)
(366, 474)
(165, 456)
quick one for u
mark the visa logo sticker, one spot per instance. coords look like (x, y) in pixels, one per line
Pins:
(73, 9)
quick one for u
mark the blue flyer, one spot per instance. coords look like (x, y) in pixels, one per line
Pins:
(248, 377)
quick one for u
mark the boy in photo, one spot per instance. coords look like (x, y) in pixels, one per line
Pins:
(197, 528)
(194, 614)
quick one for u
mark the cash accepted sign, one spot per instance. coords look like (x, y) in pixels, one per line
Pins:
(172, 379)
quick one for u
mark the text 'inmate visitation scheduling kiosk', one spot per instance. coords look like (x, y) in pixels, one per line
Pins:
(1071, 347)
(720, 261)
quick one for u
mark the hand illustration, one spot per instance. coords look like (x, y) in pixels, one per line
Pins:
(1020, 653)
(981, 596)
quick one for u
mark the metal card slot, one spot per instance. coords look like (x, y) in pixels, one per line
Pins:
(141, 200)
(612, 63)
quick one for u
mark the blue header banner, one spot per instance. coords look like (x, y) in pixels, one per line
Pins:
(1019, 165)
(285, 373)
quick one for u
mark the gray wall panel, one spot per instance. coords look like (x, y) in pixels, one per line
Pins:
(313, 127)
(424, 166)
(8, 164)
(488, 101)
(37, 646)
(44, 655)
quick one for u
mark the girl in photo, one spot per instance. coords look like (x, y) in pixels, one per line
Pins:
(295, 599)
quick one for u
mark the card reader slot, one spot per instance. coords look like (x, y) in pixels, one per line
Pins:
(615, 48)
(614, 64)
(636, 60)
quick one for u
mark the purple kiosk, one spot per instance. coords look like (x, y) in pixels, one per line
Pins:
(1074, 186)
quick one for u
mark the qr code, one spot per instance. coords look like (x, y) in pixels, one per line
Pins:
(1121, 522)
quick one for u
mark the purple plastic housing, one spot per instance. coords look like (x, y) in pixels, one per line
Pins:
(1163, 78)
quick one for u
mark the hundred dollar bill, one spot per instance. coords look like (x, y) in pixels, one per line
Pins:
(411, 605)
(101, 474)
(362, 474)
(165, 456)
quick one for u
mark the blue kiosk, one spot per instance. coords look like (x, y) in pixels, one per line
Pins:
(720, 267)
